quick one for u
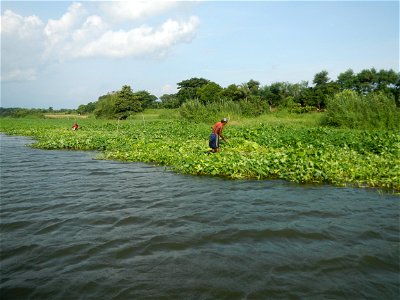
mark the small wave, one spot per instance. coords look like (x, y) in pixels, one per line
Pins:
(76, 252)
(375, 262)
(165, 246)
(130, 220)
(52, 226)
(370, 235)
(320, 214)
(99, 173)
(107, 246)
(238, 235)
(15, 252)
(99, 221)
(11, 226)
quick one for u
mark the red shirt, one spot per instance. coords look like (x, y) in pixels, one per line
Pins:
(217, 128)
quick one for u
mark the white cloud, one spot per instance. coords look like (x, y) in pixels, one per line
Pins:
(144, 40)
(59, 32)
(136, 10)
(91, 29)
(20, 75)
(83, 32)
(67, 22)
(21, 46)
(18, 27)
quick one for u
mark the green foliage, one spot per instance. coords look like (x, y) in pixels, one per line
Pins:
(298, 109)
(169, 101)
(253, 87)
(373, 111)
(126, 103)
(122, 104)
(188, 88)
(280, 94)
(253, 106)
(347, 80)
(255, 150)
(16, 112)
(370, 80)
(195, 111)
(145, 99)
(298, 97)
(209, 92)
(86, 109)
(233, 92)
(321, 78)
(105, 106)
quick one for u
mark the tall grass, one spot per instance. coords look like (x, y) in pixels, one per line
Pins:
(197, 112)
(348, 109)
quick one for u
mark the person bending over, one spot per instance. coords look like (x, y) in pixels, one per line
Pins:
(216, 134)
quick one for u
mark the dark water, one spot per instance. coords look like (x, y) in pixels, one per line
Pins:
(73, 227)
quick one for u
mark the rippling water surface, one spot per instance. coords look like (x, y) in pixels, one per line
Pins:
(73, 227)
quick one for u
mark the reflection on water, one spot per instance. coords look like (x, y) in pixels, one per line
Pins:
(73, 227)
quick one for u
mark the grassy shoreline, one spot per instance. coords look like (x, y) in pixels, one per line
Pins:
(273, 146)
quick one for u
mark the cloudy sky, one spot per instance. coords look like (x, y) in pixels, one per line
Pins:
(63, 54)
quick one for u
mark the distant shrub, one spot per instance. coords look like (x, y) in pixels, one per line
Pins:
(298, 109)
(16, 112)
(352, 110)
(253, 106)
(195, 111)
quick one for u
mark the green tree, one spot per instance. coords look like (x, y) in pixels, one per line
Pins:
(105, 106)
(118, 105)
(210, 92)
(321, 78)
(367, 81)
(187, 89)
(169, 101)
(386, 78)
(233, 92)
(396, 90)
(86, 109)
(146, 99)
(126, 103)
(253, 87)
(323, 89)
(275, 94)
(347, 80)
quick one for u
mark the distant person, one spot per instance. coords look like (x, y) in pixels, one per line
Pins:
(216, 134)
(75, 126)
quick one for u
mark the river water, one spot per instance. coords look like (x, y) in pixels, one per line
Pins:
(73, 227)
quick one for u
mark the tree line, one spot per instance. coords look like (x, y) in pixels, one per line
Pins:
(19, 112)
(254, 98)
(119, 104)
(280, 94)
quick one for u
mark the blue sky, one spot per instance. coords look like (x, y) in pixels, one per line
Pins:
(63, 54)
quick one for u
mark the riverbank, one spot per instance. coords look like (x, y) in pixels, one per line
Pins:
(269, 147)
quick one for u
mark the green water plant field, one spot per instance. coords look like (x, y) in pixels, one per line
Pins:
(258, 149)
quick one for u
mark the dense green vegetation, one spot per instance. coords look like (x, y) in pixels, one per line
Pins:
(18, 112)
(274, 146)
(343, 132)
(251, 98)
(284, 94)
(372, 111)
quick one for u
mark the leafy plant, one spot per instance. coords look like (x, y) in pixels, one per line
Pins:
(372, 111)
(256, 150)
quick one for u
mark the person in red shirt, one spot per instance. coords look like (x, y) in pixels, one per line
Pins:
(216, 134)
(75, 126)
